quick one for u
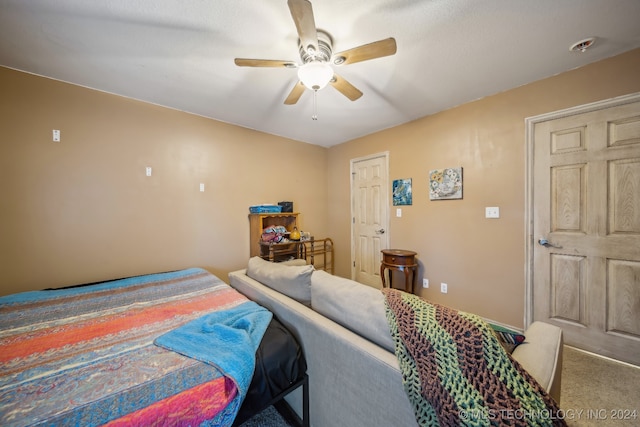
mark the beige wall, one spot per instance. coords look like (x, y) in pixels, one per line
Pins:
(83, 210)
(481, 260)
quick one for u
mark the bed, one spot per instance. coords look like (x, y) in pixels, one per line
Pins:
(98, 354)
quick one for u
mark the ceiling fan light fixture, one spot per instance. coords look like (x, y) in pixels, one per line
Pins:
(315, 74)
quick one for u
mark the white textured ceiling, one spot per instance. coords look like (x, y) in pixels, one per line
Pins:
(179, 53)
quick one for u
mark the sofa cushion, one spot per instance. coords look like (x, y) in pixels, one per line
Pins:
(353, 305)
(291, 280)
(294, 262)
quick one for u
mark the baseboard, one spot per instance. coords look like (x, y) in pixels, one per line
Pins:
(504, 325)
(631, 365)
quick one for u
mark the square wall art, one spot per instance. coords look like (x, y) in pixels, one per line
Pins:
(445, 184)
(402, 192)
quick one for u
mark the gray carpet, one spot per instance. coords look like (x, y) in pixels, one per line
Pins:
(270, 417)
(599, 392)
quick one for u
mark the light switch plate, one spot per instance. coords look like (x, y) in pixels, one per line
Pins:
(492, 212)
(398, 212)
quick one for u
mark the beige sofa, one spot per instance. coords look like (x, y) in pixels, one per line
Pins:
(354, 376)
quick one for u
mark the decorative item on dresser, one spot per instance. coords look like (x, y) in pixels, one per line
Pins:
(295, 235)
(259, 221)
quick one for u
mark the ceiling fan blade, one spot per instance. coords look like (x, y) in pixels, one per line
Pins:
(244, 62)
(295, 94)
(302, 14)
(365, 52)
(345, 88)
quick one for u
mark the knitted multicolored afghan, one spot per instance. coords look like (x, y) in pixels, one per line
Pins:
(455, 371)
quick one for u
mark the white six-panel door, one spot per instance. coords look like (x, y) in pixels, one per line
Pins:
(370, 201)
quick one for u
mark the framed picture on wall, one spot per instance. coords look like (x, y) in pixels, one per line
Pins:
(445, 184)
(402, 192)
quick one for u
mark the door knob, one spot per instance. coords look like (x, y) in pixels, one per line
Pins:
(548, 244)
(381, 231)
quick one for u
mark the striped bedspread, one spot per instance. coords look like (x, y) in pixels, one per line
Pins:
(85, 356)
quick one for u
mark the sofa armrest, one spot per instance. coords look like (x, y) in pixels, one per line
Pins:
(541, 356)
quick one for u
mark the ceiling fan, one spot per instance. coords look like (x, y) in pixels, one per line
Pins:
(316, 53)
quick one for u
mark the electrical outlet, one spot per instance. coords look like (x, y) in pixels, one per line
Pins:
(148, 170)
(202, 186)
(425, 283)
(56, 135)
(443, 288)
(398, 212)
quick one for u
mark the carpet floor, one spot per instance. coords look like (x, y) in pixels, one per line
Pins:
(277, 415)
(270, 417)
(599, 392)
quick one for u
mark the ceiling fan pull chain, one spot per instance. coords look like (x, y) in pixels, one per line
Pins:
(315, 105)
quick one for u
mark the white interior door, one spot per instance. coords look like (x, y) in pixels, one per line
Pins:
(585, 239)
(370, 217)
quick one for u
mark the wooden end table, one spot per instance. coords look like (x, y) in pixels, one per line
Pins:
(399, 260)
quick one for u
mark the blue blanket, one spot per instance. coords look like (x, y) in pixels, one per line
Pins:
(226, 339)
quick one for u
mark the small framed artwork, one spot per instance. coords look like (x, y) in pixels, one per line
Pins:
(445, 184)
(402, 192)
